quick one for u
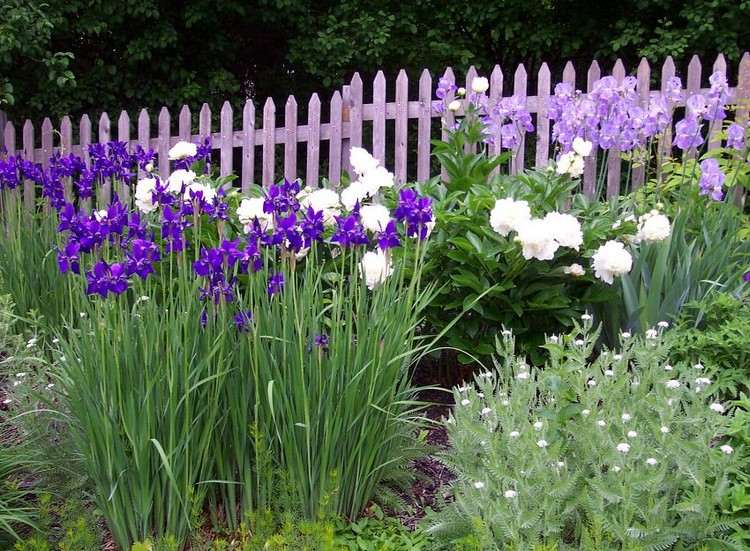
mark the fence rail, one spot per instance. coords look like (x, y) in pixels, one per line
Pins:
(345, 126)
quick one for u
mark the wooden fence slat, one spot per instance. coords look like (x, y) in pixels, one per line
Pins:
(9, 138)
(204, 122)
(402, 126)
(378, 122)
(334, 155)
(569, 74)
(542, 122)
(185, 124)
(163, 141)
(248, 145)
(46, 141)
(313, 141)
(644, 78)
(66, 148)
(496, 94)
(346, 113)
(665, 148)
(123, 135)
(3, 123)
(424, 126)
(28, 154)
(290, 146)
(355, 115)
(714, 128)
(226, 158)
(742, 99)
(519, 92)
(144, 134)
(613, 160)
(693, 87)
(269, 127)
(448, 117)
(104, 137)
(589, 168)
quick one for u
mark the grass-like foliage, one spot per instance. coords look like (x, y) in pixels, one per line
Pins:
(622, 452)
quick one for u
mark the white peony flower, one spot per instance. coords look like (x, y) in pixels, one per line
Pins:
(375, 268)
(566, 229)
(510, 494)
(610, 260)
(480, 85)
(182, 150)
(377, 178)
(208, 193)
(322, 200)
(355, 193)
(375, 217)
(570, 163)
(144, 195)
(361, 160)
(536, 240)
(508, 215)
(454, 106)
(623, 447)
(582, 147)
(252, 208)
(653, 228)
(726, 448)
(179, 178)
(717, 407)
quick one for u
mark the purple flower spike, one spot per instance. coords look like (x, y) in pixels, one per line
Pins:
(275, 284)
(416, 211)
(242, 320)
(321, 341)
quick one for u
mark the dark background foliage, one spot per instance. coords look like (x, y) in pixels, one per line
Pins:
(74, 56)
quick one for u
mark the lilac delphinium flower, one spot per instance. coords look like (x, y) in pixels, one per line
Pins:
(275, 284)
(736, 137)
(416, 211)
(444, 88)
(242, 320)
(712, 179)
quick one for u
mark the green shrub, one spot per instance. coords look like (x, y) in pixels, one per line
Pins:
(546, 456)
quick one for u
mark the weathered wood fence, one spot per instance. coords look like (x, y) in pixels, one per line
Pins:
(348, 117)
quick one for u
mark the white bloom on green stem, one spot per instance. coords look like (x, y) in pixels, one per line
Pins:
(582, 147)
(632, 434)
(663, 324)
(610, 260)
(570, 163)
(601, 423)
(717, 407)
(375, 268)
(537, 240)
(653, 228)
(375, 179)
(510, 494)
(651, 461)
(672, 384)
(538, 425)
(542, 443)
(664, 429)
(668, 367)
(144, 195)
(454, 106)
(623, 447)
(478, 485)
(507, 215)
(180, 178)
(585, 412)
(698, 366)
(361, 160)
(651, 333)
(626, 417)
(182, 150)
(480, 85)
(322, 200)
(566, 229)
(514, 434)
(355, 193)
(727, 449)
(485, 411)
(252, 208)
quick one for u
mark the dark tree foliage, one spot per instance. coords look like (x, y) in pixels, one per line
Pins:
(76, 56)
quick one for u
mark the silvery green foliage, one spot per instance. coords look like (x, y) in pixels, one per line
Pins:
(622, 452)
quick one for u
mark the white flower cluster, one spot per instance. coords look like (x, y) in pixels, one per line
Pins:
(371, 178)
(539, 237)
(572, 162)
(653, 227)
(610, 260)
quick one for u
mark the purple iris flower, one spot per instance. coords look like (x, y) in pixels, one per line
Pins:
(712, 179)
(746, 277)
(736, 137)
(275, 284)
(321, 341)
(349, 231)
(242, 320)
(688, 133)
(282, 198)
(312, 226)
(68, 259)
(105, 278)
(416, 211)
(141, 258)
(388, 238)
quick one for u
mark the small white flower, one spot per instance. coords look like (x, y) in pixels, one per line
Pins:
(480, 394)
(616, 469)
(664, 429)
(461, 91)
(463, 388)
(7, 401)
(541, 443)
(510, 494)
(605, 353)
(623, 447)
(478, 485)
(703, 381)
(149, 166)
(580, 342)
(670, 401)
(375, 268)
(50, 386)
(100, 215)
(651, 461)
(586, 412)
(16, 383)
(617, 357)
(668, 367)
(505, 402)
(538, 426)
(609, 373)
(554, 339)
(726, 448)
(486, 375)
(625, 335)
(454, 106)
(514, 434)
(62, 358)
(601, 423)
(698, 366)
(182, 150)
(717, 407)
(672, 384)
(663, 324)
(591, 382)
(480, 85)
(561, 464)
(626, 417)
(582, 147)
(617, 225)
(21, 375)
(55, 340)
(523, 375)
(31, 342)
(465, 402)
(485, 411)
(576, 270)
(635, 383)
(632, 434)
(586, 317)
(506, 332)
(651, 333)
